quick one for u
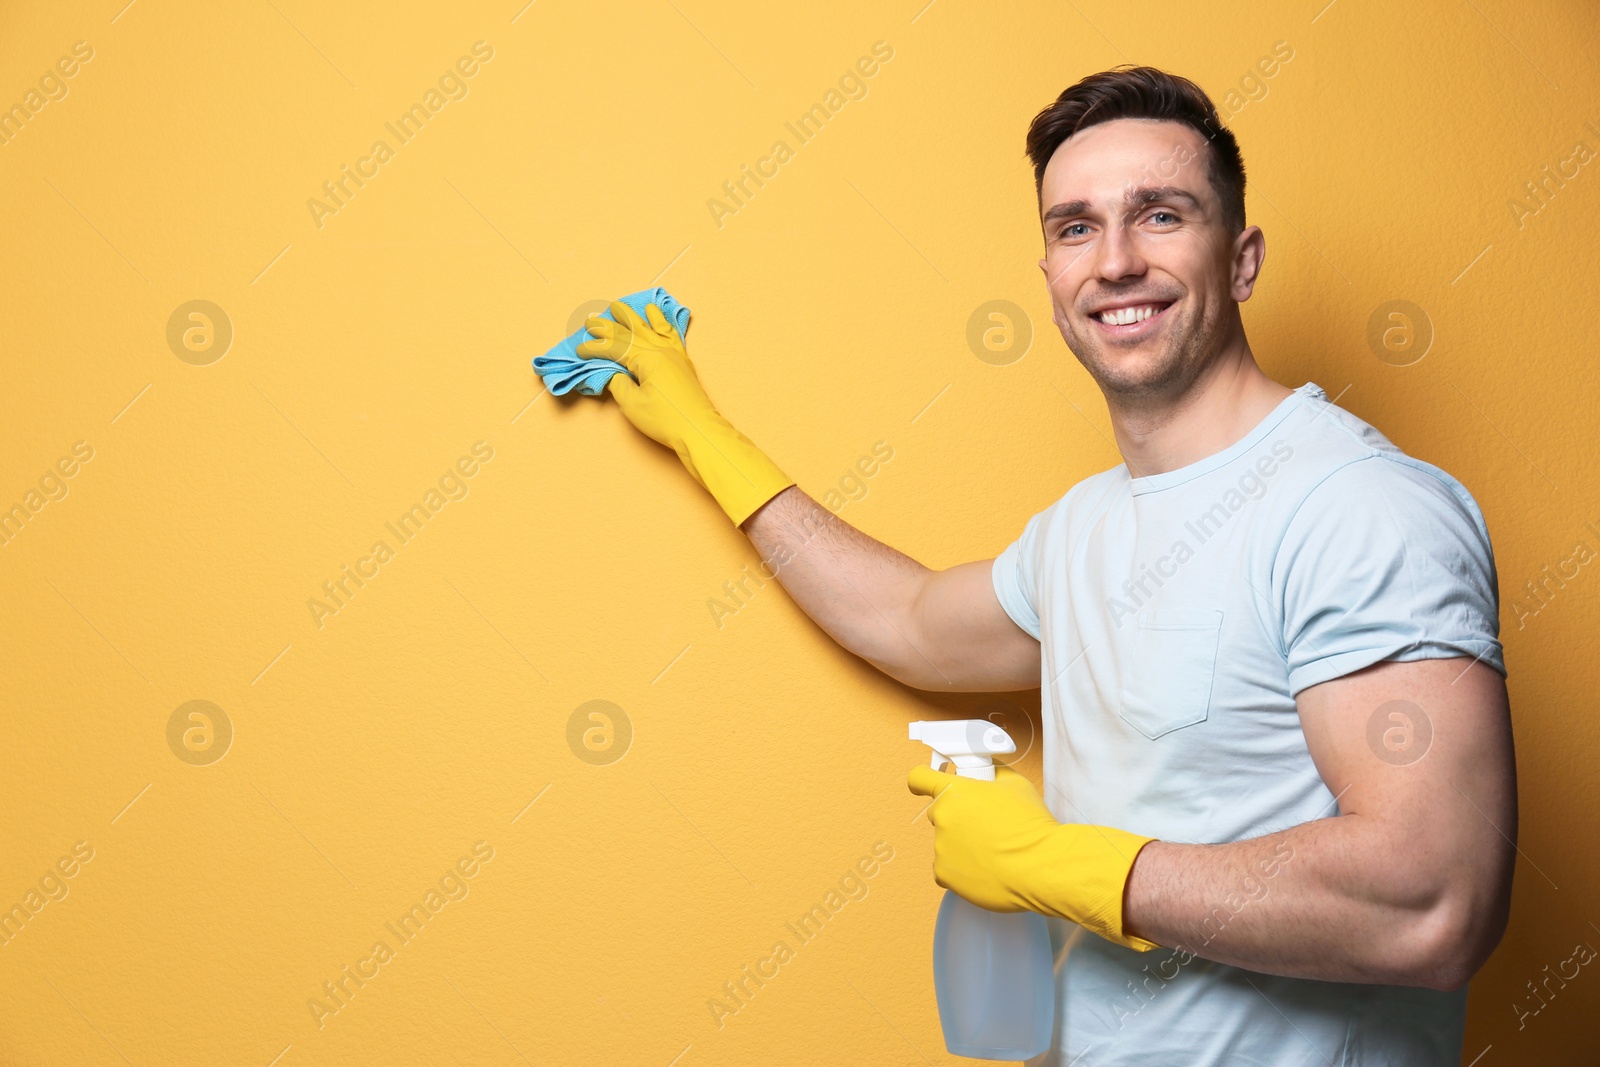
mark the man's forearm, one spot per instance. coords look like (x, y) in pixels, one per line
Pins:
(1328, 900)
(856, 588)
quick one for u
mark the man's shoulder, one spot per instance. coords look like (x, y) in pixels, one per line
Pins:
(1091, 491)
(1348, 466)
(1320, 463)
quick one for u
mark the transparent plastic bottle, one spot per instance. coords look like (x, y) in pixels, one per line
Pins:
(993, 975)
(993, 972)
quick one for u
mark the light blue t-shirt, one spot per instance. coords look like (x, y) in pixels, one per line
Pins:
(1178, 616)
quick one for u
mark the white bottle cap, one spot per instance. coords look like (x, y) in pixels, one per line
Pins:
(970, 744)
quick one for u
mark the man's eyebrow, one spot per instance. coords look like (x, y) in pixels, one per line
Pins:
(1147, 194)
(1139, 197)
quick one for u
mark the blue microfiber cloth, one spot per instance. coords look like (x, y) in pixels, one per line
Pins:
(563, 370)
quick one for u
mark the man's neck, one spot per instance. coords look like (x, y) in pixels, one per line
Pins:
(1219, 408)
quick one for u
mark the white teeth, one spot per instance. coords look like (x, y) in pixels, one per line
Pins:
(1127, 316)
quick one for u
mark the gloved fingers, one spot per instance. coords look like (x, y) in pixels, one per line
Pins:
(927, 782)
(605, 350)
(601, 333)
(612, 341)
(631, 333)
(1019, 786)
(628, 317)
(623, 390)
(1012, 779)
(659, 323)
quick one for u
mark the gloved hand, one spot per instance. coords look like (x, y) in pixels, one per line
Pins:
(996, 844)
(669, 405)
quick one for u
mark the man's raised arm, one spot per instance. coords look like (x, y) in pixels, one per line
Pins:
(935, 630)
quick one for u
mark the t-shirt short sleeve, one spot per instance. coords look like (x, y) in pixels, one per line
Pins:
(1386, 559)
(1015, 577)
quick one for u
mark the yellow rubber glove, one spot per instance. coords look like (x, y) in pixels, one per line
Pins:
(669, 405)
(996, 844)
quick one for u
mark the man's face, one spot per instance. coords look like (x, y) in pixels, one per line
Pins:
(1132, 225)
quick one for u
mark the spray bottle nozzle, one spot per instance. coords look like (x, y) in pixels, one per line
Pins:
(970, 744)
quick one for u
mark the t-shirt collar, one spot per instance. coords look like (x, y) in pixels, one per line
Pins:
(1167, 479)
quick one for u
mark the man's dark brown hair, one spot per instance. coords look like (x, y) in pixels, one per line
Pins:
(1129, 92)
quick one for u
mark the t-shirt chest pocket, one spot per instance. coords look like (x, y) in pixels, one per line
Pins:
(1171, 660)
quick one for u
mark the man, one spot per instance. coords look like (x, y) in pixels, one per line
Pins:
(1277, 750)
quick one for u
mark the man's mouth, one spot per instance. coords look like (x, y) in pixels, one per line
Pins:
(1132, 320)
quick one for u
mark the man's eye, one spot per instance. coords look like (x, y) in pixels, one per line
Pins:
(1168, 214)
(1066, 231)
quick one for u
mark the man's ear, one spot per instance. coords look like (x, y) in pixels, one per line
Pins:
(1249, 253)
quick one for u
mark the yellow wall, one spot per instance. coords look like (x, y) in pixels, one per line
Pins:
(374, 346)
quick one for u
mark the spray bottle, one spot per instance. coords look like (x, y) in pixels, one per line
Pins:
(992, 971)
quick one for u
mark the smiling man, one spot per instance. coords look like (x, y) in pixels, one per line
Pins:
(1280, 799)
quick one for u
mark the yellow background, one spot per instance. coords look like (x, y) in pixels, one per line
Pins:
(831, 311)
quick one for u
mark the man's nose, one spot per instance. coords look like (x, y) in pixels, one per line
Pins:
(1118, 256)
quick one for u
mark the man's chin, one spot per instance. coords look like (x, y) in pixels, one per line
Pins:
(1133, 374)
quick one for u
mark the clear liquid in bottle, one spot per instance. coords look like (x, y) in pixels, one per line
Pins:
(994, 978)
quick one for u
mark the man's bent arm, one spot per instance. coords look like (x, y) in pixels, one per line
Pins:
(1409, 884)
(934, 630)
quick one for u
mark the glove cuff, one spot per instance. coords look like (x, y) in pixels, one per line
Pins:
(738, 475)
(1089, 876)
